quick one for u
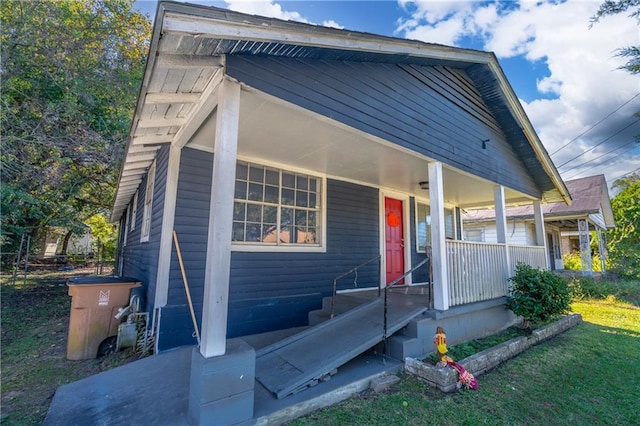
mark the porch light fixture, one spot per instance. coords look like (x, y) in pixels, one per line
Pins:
(424, 185)
(484, 143)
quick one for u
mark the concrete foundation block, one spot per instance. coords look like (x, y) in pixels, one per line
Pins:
(221, 389)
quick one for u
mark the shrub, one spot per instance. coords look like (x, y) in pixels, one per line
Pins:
(537, 295)
(589, 288)
(573, 261)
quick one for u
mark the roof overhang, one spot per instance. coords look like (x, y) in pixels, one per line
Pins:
(178, 91)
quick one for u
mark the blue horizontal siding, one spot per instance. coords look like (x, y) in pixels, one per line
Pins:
(433, 110)
(267, 290)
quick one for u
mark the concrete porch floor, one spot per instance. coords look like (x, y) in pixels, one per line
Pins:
(155, 390)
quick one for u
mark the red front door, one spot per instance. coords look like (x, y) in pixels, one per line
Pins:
(394, 241)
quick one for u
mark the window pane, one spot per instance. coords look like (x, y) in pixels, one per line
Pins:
(256, 174)
(310, 237)
(241, 171)
(238, 231)
(301, 218)
(269, 234)
(272, 177)
(286, 216)
(302, 182)
(288, 180)
(254, 213)
(423, 229)
(312, 219)
(241, 190)
(312, 200)
(239, 211)
(301, 198)
(313, 184)
(255, 192)
(285, 234)
(270, 215)
(271, 194)
(287, 197)
(253, 232)
(448, 224)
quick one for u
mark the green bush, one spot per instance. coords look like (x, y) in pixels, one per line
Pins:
(573, 262)
(537, 295)
(589, 288)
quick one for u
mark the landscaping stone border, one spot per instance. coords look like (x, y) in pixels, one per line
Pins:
(445, 378)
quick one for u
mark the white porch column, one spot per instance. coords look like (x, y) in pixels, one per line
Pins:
(216, 279)
(602, 249)
(585, 246)
(501, 225)
(501, 214)
(438, 248)
(538, 216)
(166, 235)
(541, 239)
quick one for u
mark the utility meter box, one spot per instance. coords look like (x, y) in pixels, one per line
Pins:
(95, 301)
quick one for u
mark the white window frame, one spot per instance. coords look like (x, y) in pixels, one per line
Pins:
(321, 234)
(448, 207)
(479, 229)
(145, 232)
(126, 225)
(134, 211)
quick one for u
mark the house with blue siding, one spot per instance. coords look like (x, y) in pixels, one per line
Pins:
(280, 155)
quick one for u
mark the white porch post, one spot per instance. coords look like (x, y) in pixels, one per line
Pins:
(540, 231)
(501, 224)
(216, 279)
(438, 248)
(585, 246)
(501, 214)
(602, 249)
(166, 235)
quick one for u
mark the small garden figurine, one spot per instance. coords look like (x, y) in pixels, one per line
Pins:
(440, 340)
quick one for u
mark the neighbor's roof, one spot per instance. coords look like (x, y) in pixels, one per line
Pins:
(590, 195)
(184, 66)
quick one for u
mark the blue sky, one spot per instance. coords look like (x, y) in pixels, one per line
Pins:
(565, 73)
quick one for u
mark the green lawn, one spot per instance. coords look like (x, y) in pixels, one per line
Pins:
(586, 376)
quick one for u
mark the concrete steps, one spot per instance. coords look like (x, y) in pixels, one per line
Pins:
(413, 340)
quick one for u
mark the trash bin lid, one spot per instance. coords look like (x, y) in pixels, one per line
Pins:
(101, 279)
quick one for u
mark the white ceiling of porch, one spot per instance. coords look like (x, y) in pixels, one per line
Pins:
(283, 134)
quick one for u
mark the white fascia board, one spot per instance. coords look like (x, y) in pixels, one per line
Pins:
(259, 29)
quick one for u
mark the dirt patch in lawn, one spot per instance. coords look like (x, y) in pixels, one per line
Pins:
(35, 325)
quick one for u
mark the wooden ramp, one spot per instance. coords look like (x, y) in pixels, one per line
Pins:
(301, 360)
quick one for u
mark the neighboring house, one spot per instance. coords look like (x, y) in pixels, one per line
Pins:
(284, 154)
(569, 228)
(52, 241)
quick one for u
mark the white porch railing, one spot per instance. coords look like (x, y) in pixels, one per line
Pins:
(531, 255)
(479, 271)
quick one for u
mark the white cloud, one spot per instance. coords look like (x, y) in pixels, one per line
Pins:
(266, 8)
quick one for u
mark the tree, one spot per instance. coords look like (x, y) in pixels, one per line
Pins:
(624, 240)
(613, 7)
(71, 72)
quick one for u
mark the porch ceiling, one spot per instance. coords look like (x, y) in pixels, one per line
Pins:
(277, 132)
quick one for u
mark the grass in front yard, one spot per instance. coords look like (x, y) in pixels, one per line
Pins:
(35, 322)
(587, 375)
